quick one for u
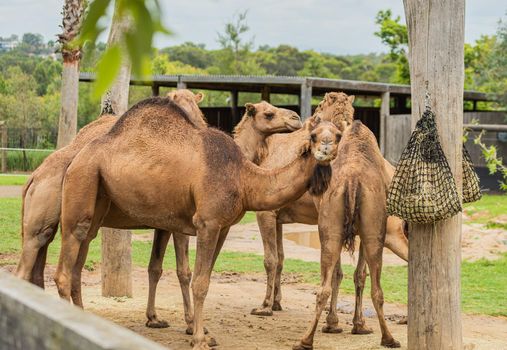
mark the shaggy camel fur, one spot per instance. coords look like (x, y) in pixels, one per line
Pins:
(354, 204)
(259, 121)
(335, 107)
(186, 179)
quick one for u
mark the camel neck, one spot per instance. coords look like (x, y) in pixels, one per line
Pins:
(271, 189)
(251, 142)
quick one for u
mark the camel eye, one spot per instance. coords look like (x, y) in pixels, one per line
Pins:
(269, 115)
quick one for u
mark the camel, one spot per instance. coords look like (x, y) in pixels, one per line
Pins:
(335, 107)
(259, 122)
(41, 195)
(354, 204)
(186, 179)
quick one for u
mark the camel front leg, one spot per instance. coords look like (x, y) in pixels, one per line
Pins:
(332, 317)
(330, 257)
(207, 243)
(267, 227)
(277, 306)
(359, 282)
(160, 240)
(396, 240)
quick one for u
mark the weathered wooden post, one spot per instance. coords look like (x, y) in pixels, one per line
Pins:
(436, 41)
(3, 128)
(385, 107)
(265, 94)
(116, 265)
(305, 100)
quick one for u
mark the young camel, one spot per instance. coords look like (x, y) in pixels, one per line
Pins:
(259, 121)
(354, 204)
(41, 195)
(186, 179)
(335, 107)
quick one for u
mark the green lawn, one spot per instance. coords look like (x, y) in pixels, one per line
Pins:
(13, 180)
(483, 282)
(491, 211)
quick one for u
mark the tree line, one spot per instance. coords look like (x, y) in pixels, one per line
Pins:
(30, 75)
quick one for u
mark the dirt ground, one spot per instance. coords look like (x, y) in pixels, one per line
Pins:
(227, 315)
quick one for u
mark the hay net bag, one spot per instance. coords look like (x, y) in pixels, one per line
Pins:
(423, 189)
(471, 184)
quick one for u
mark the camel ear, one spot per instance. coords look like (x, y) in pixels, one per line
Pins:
(199, 97)
(250, 109)
(351, 99)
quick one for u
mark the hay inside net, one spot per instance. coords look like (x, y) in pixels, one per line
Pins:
(471, 184)
(423, 189)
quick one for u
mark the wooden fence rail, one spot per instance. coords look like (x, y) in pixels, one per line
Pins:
(30, 318)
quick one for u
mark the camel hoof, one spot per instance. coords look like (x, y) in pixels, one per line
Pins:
(262, 311)
(156, 323)
(404, 320)
(361, 330)
(331, 329)
(210, 342)
(190, 330)
(277, 306)
(390, 343)
(301, 346)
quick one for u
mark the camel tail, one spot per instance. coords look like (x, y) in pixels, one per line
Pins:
(23, 196)
(352, 196)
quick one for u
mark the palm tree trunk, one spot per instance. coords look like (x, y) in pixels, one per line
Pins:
(71, 23)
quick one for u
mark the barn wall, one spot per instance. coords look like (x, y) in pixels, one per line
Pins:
(33, 319)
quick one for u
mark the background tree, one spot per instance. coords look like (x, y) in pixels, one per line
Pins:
(71, 53)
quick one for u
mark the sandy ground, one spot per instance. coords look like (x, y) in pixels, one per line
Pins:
(232, 296)
(10, 191)
(227, 315)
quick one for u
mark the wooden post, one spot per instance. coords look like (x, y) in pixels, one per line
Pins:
(265, 94)
(384, 114)
(436, 41)
(234, 107)
(155, 90)
(305, 101)
(116, 265)
(3, 127)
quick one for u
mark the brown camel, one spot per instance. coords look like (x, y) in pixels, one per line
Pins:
(335, 107)
(186, 179)
(259, 121)
(354, 204)
(41, 195)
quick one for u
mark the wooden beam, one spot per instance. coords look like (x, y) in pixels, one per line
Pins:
(234, 106)
(3, 127)
(436, 40)
(305, 101)
(265, 93)
(155, 90)
(384, 114)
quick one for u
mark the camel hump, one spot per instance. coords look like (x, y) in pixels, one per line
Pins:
(157, 112)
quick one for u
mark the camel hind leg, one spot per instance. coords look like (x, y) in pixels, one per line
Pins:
(160, 241)
(359, 283)
(372, 233)
(78, 208)
(37, 277)
(332, 317)
(277, 306)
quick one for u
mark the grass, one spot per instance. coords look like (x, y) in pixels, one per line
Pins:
(13, 180)
(25, 161)
(491, 211)
(483, 282)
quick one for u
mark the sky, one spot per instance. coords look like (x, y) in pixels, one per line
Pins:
(332, 26)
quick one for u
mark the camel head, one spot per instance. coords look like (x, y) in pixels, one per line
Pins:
(337, 108)
(189, 101)
(268, 119)
(324, 139)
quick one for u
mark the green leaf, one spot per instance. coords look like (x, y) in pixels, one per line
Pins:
(90, 28)
(107, 69)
